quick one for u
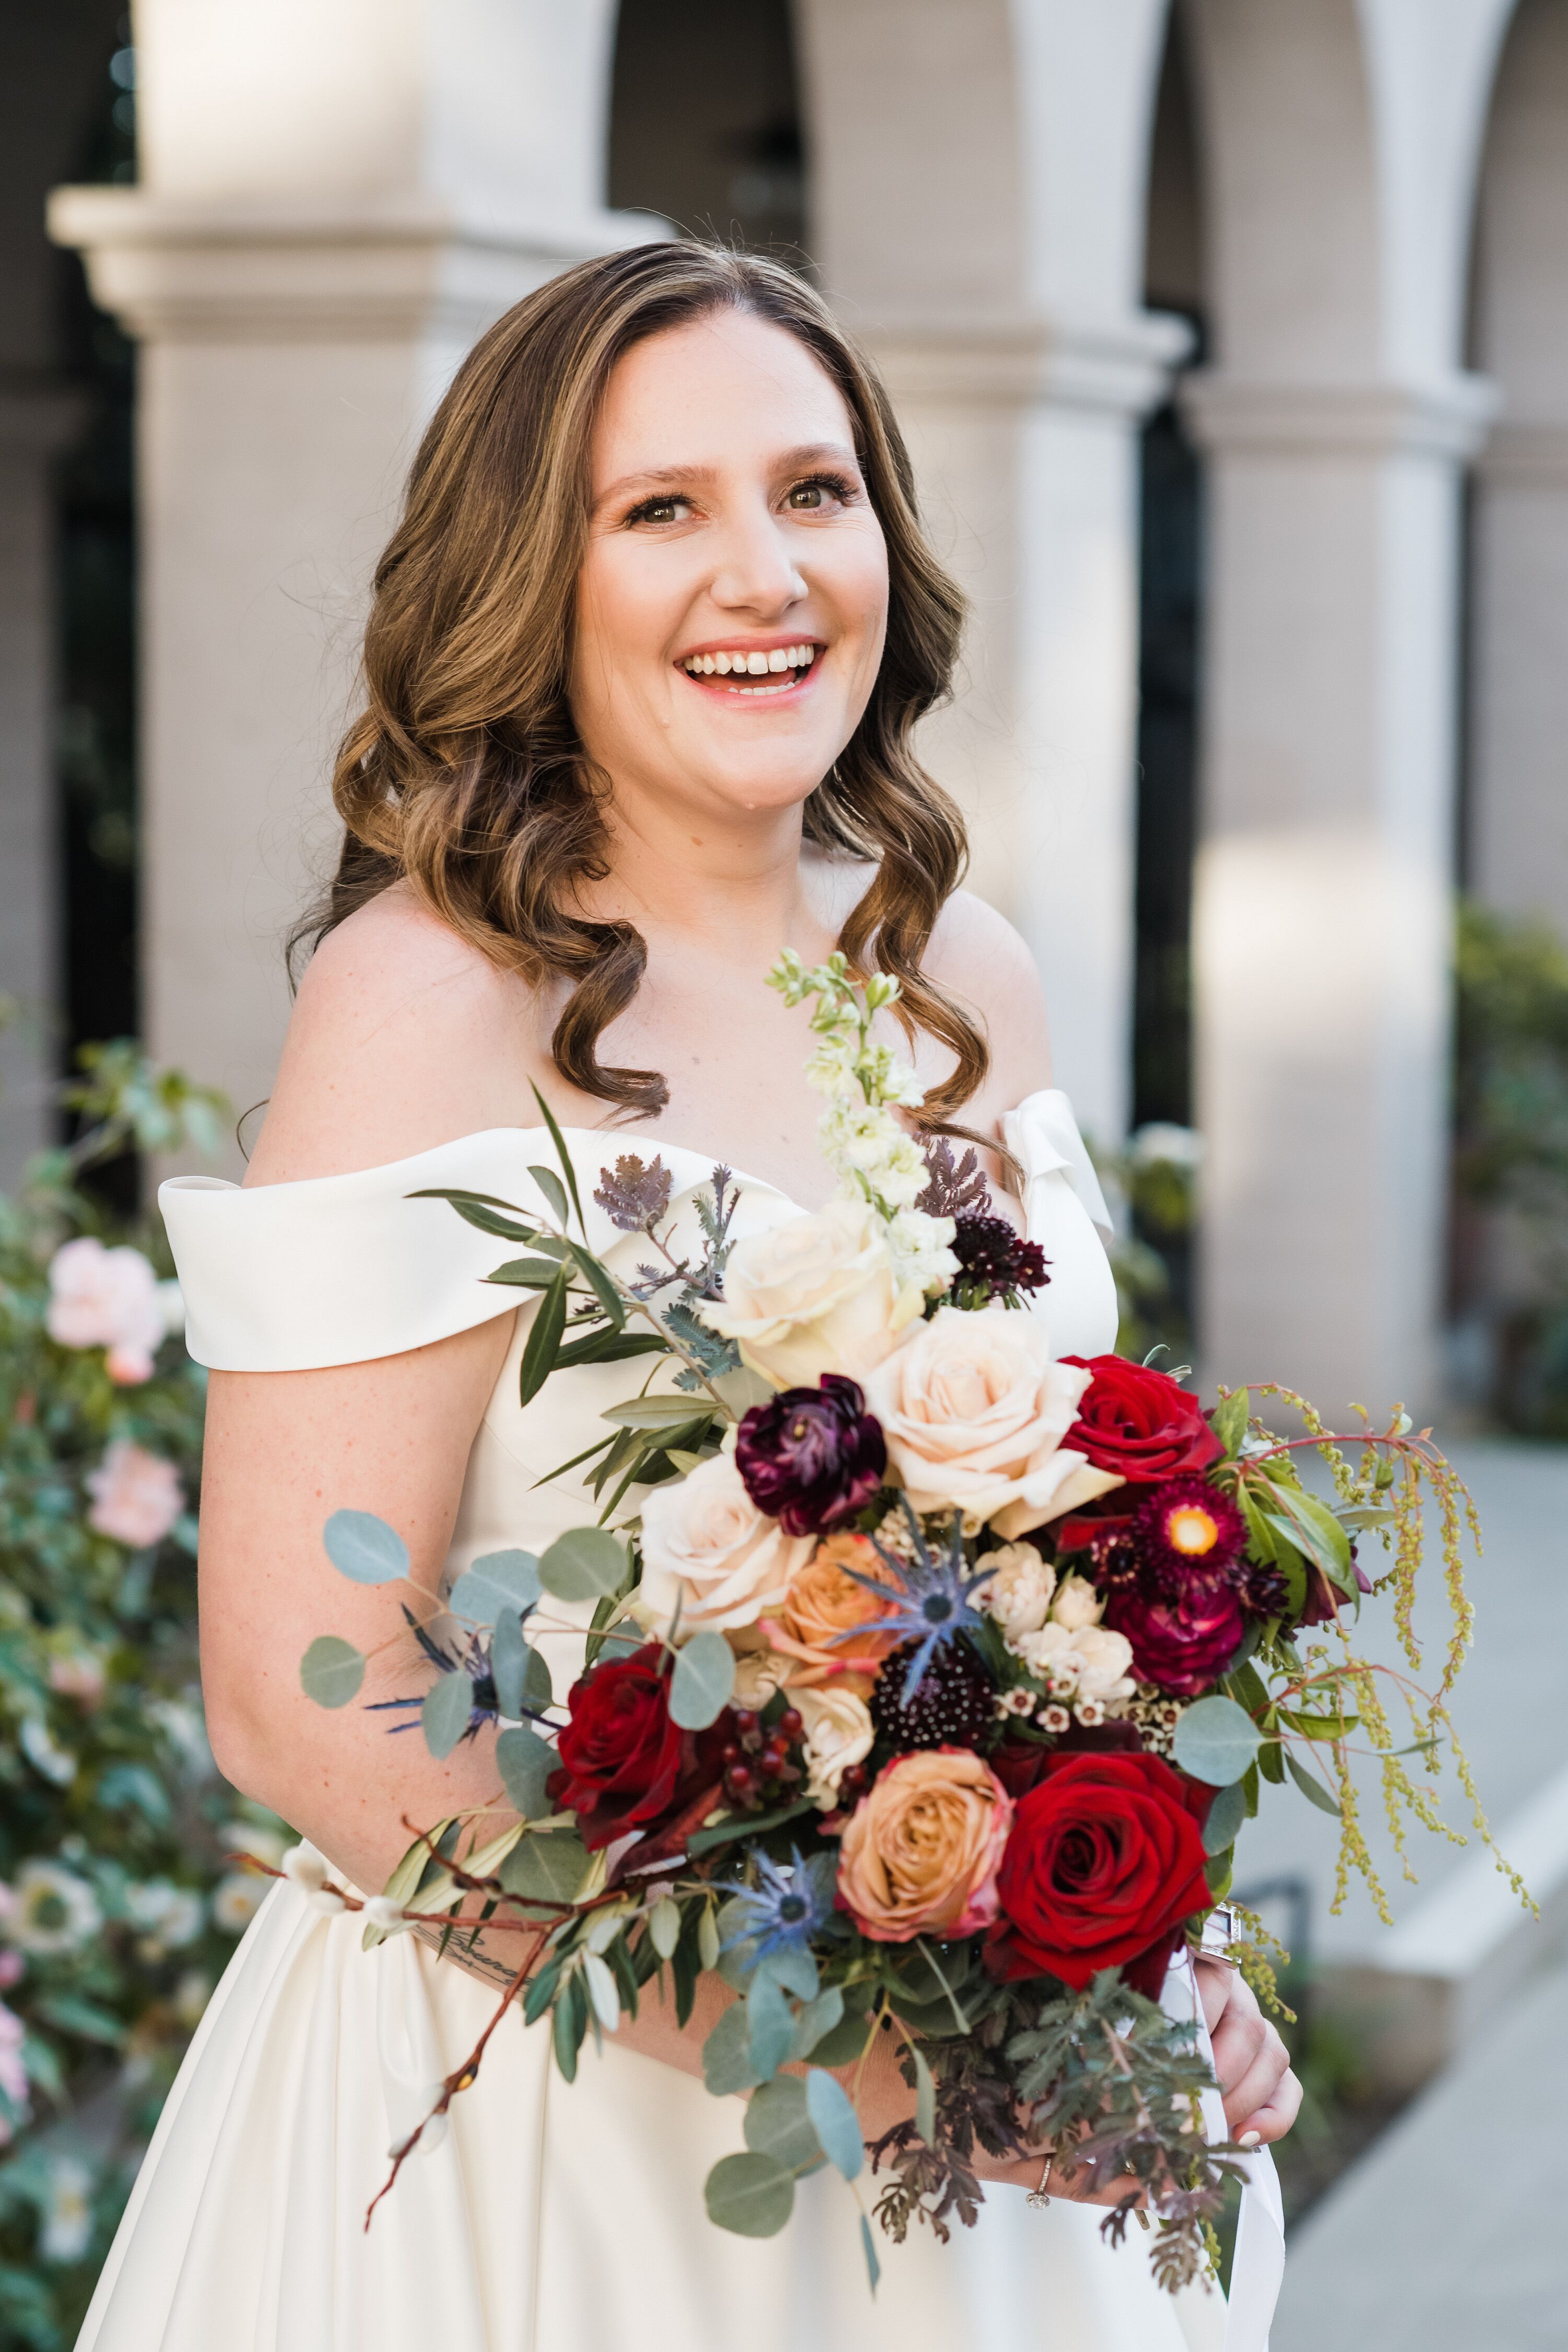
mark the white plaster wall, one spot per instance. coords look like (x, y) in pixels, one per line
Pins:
(1519, 813)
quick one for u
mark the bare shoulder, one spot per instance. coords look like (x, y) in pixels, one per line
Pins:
(403, 1036)
(977, 956)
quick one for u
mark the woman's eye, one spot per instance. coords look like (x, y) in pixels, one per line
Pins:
(671, 509)
(807, 496)
(814, 497)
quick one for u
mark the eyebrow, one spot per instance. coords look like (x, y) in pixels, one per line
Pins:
(789, 461)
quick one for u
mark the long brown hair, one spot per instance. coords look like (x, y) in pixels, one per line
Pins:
(464, 774)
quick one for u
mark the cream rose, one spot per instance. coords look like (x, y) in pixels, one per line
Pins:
(1019, 1594)
(921, 1851)
(710, 1555)
(812, 1296)
(1076, 1604)
(974, 1413)
(838, 1735)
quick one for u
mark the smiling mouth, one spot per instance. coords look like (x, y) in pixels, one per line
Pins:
(744, 672)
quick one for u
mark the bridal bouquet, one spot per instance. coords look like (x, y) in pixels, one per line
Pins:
(925, 1695)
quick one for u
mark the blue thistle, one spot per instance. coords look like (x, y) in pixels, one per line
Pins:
(932, 1605)
(791, 1902)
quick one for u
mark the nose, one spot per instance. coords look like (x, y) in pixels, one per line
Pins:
(756, 573)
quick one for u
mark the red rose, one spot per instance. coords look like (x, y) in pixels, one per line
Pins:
(1180, 1645)
(621, 1757)
(1104, 1864)
(1140, 1423)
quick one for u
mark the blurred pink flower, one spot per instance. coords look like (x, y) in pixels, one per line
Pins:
(80, 1675)
(136, 1494)
(13, 1969)
(13, 2073)
(107, 1298)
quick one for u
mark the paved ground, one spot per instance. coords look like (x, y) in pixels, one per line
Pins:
(1447, 2236)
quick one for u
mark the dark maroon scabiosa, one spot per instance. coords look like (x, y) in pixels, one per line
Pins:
(811, 1458)
(1179, 1645)
(954, 1705)
(995, 1261)
(1323, 1598)
(1187, 1529)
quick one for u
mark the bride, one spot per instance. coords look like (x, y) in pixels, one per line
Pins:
(642, 667)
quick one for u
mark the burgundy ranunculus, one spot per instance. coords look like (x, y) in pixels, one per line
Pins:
(621, 1756)
(1181, 1646)
(812, 1457)
(1139, 1423)
(1323, 1598)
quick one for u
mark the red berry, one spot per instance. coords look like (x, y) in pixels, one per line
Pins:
(774, 1755)
(792, 1723)
(745, 1722)
(728, 1753)
(740, 1780)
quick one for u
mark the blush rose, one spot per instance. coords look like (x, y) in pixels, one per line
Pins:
(709, 1552)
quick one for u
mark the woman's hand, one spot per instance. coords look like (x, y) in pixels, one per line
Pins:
(1253, 2066)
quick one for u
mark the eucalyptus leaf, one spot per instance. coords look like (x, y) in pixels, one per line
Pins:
(525, 1762)
(546, 1866)
(703, 1679)
(770, 2023)
(793, 1969)
(778, 2124)
(538, 1689)
(1312, 1787)
(331, 1671)
(727, 2055)
(1215, 1741)
(1226, 1816)
(449, 1703)
(751, 2195)
(835, 2122)
(509, 1656)
(364, 1549)
(500, 1581)
(869, 2248)
(822, 2031)
(583, 1564)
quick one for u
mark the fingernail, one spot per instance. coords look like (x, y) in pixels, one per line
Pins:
(1250, 2140)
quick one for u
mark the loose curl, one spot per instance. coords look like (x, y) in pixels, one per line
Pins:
(464, 774)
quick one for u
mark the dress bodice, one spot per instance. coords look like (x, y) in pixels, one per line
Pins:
(344, 1269)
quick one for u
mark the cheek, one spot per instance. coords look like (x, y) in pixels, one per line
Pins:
(623, 618)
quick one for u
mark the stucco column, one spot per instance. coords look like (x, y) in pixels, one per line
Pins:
(335, 202)
(1025, 437)
(978, 210)
(1518, 800)
(1321, 917)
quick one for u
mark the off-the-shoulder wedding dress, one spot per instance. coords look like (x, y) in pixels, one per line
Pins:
(551, 2219)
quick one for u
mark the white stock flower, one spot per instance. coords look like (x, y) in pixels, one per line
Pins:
(922, 1252)
(838, 1735)
(1019, 1595)
(974, 1410)
(136, 1494)
(48, 1910)
(814, 1295)
(106, 1299)
(1087, 1663)
(1076, 1604)
(711, 1555)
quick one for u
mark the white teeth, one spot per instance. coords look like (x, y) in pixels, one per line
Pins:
(781, 659)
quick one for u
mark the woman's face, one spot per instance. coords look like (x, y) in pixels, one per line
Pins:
(733, 597)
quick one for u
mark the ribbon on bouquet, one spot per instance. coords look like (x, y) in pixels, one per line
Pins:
(1258, 2266)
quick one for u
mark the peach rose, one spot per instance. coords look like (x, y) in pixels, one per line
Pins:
(975, 1412)
(814, 1295)
(136, 1496)
(824, 1603)
(708, 1551)
(920, 1851)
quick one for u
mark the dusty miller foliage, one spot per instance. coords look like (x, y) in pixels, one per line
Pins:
(1103, 2072)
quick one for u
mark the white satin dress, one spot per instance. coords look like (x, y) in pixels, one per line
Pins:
(551, 2218)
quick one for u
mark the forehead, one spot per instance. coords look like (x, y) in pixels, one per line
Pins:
(721, 391)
